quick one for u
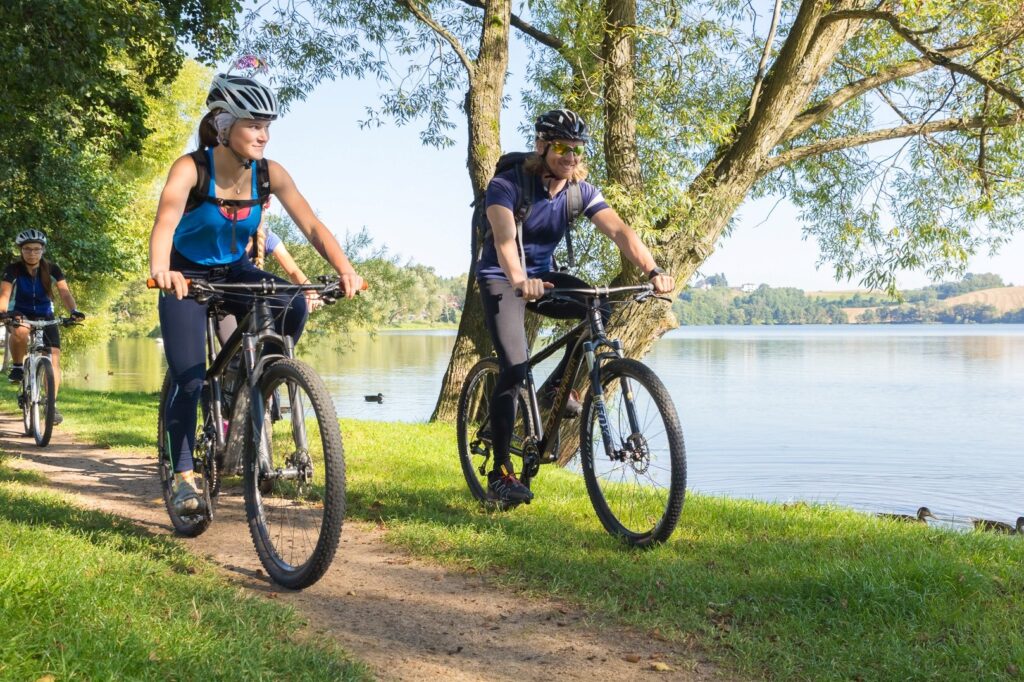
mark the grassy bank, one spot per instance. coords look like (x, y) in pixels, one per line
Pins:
(87, 596)
(767, 591)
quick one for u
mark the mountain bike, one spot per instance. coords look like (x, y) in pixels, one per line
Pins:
(269, 418)
(37, 392)
(631, 448)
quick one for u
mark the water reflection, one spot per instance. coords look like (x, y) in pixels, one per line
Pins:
(877, 418)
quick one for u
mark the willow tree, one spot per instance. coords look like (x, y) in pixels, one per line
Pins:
(894, 126)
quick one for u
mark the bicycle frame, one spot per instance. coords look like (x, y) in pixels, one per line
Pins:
(588, 347)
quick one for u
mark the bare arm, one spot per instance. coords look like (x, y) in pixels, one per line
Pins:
(5, 295)
(180, 180)
(503, 228)
(609, 223)
(315, 231)
(66, 297)
(295, 274)
(288, 264)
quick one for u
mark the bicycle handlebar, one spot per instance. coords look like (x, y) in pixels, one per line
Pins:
(20, 321)
(265, 287)
(594, 291)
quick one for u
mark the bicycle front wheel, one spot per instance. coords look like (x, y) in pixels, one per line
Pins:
(637, 478)
(25, 401)
(203, 463)
(43, 402)
(476, 448)
(294, 474)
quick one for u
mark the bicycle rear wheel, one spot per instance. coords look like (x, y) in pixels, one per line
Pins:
(42, 402)
(294, 474)
(638, 487)
(203, 463)
(474, 426)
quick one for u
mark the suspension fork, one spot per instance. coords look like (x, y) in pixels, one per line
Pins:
(216, 394)
(597, 391)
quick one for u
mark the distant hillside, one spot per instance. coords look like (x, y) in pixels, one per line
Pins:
(1004, 299)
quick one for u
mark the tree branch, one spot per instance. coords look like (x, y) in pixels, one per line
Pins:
(823, 109)
(763, 65)
(838, 143)
(529, 29)
(413, 6)
(935, 56)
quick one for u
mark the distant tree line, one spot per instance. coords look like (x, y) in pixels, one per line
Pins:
(711, 301)
(765, 305)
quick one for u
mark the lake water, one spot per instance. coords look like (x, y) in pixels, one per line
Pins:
(879, 418)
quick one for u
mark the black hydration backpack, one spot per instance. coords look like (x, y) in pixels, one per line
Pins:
(526, 184)
(198, 193)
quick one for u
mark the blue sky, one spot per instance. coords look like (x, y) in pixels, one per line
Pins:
(415, 199)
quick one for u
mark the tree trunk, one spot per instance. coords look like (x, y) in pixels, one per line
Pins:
(483, 110)
(690, 235)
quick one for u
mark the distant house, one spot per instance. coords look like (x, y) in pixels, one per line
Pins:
(748, 287)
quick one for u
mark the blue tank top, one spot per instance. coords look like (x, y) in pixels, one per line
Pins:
(205, 233)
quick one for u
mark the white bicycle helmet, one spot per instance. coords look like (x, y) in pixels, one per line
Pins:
(242, 97)
(28, 236)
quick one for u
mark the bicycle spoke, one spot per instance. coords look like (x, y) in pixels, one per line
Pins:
(637, 488)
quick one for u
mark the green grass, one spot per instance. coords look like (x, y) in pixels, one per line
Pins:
(88, 596)
(766, 590)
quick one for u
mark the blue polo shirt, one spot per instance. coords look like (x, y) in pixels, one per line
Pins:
(544, 228)
(30, 298)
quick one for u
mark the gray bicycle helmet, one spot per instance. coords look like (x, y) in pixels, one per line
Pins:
(561, 124)
(242, 97)
(29, 236)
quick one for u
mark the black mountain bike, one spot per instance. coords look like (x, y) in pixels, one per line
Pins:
(37, 393)
(268, 417)
(631, 444)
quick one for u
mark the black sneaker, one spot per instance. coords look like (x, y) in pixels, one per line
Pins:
(57, 416)
(546, 398)
(504, 487)
(16, 374)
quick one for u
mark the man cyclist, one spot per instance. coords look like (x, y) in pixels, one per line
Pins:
(561, 137)
(209, 242)
(32, 279)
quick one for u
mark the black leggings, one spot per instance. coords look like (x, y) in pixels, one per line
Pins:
(505, 317)
(183, 328)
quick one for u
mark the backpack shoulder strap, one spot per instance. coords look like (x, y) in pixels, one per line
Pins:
(263, 180)
(198, 193)
(573, 209)
(527, 189)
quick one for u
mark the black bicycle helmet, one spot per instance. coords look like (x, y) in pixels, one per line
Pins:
(561, 124)
(29, 236)
(242, 97)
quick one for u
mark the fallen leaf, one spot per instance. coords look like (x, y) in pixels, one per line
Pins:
(661, 667)
(631, 658)
(153, 656)
(46, 678)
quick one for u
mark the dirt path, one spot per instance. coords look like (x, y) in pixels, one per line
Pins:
(407, 619)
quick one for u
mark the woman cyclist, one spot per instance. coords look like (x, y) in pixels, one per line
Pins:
(561, 136)
(32, 279)
(209, 241)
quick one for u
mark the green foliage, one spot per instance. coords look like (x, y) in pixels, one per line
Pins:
(79, 79)
(925, 202)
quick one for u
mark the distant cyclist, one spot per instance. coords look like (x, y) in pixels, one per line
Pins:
(223, 186)
(32, 278)
(561, 137)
